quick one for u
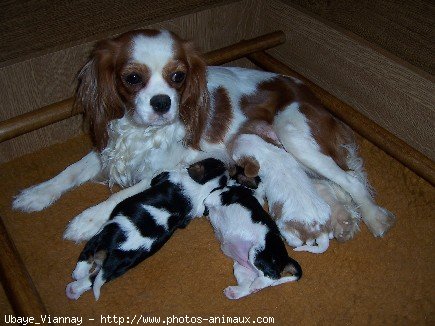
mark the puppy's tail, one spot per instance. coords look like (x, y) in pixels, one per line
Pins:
(292, 268)
(322, 245)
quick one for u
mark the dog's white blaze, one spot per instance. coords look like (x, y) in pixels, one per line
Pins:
(135, 240)
(161, 216)
(153, 51)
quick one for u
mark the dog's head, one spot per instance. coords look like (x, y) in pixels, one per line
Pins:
(154, 76)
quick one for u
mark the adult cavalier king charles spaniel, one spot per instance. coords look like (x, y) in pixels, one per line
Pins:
(153, 105)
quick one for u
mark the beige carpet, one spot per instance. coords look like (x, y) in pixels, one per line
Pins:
(364, 281)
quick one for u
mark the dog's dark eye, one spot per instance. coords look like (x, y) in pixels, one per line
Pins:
(178, 76)
(133, 79)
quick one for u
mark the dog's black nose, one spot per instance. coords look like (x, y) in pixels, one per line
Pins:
(161, 103)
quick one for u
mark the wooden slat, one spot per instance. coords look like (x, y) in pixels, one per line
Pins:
(379, 136)
(33, 120)
(241, 49)
(18, 284)
(50, 114)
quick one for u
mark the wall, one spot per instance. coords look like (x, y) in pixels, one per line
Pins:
(395, 94)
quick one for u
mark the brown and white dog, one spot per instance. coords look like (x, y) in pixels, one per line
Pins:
(153, 105)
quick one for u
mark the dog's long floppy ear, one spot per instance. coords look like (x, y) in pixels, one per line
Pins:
(195, 99)
(96, 93)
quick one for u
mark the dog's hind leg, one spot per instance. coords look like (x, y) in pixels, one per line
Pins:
(345, 217)
(295, 134)
(244, 276)
(290, 237)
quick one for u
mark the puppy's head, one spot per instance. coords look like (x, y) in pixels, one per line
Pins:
(246, 172)
(154, 76)
(207, 170)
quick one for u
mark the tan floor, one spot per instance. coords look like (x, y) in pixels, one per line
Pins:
(364, 281)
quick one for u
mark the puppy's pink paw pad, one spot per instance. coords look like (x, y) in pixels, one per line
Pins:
(232, 293)
(71, 292)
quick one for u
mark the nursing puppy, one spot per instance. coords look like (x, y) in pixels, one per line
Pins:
(302, 216)
(250, 237)
(140, 225)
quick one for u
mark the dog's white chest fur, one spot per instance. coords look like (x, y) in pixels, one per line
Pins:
(136, 153)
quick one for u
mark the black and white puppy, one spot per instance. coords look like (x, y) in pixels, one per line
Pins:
(140, 225)
(251, 238)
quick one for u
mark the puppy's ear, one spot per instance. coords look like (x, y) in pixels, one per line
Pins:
(159, 178)
(96, 93)
(251, 170)
(250, 165)
(197, 172)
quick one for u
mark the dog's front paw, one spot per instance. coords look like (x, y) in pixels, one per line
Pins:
(85, 225)
(380, 221)
(36, 198)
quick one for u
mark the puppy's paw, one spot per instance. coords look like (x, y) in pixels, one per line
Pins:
(235, 292)
(380, 221)
(85, 225)
(36, 198)
(75, 289)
